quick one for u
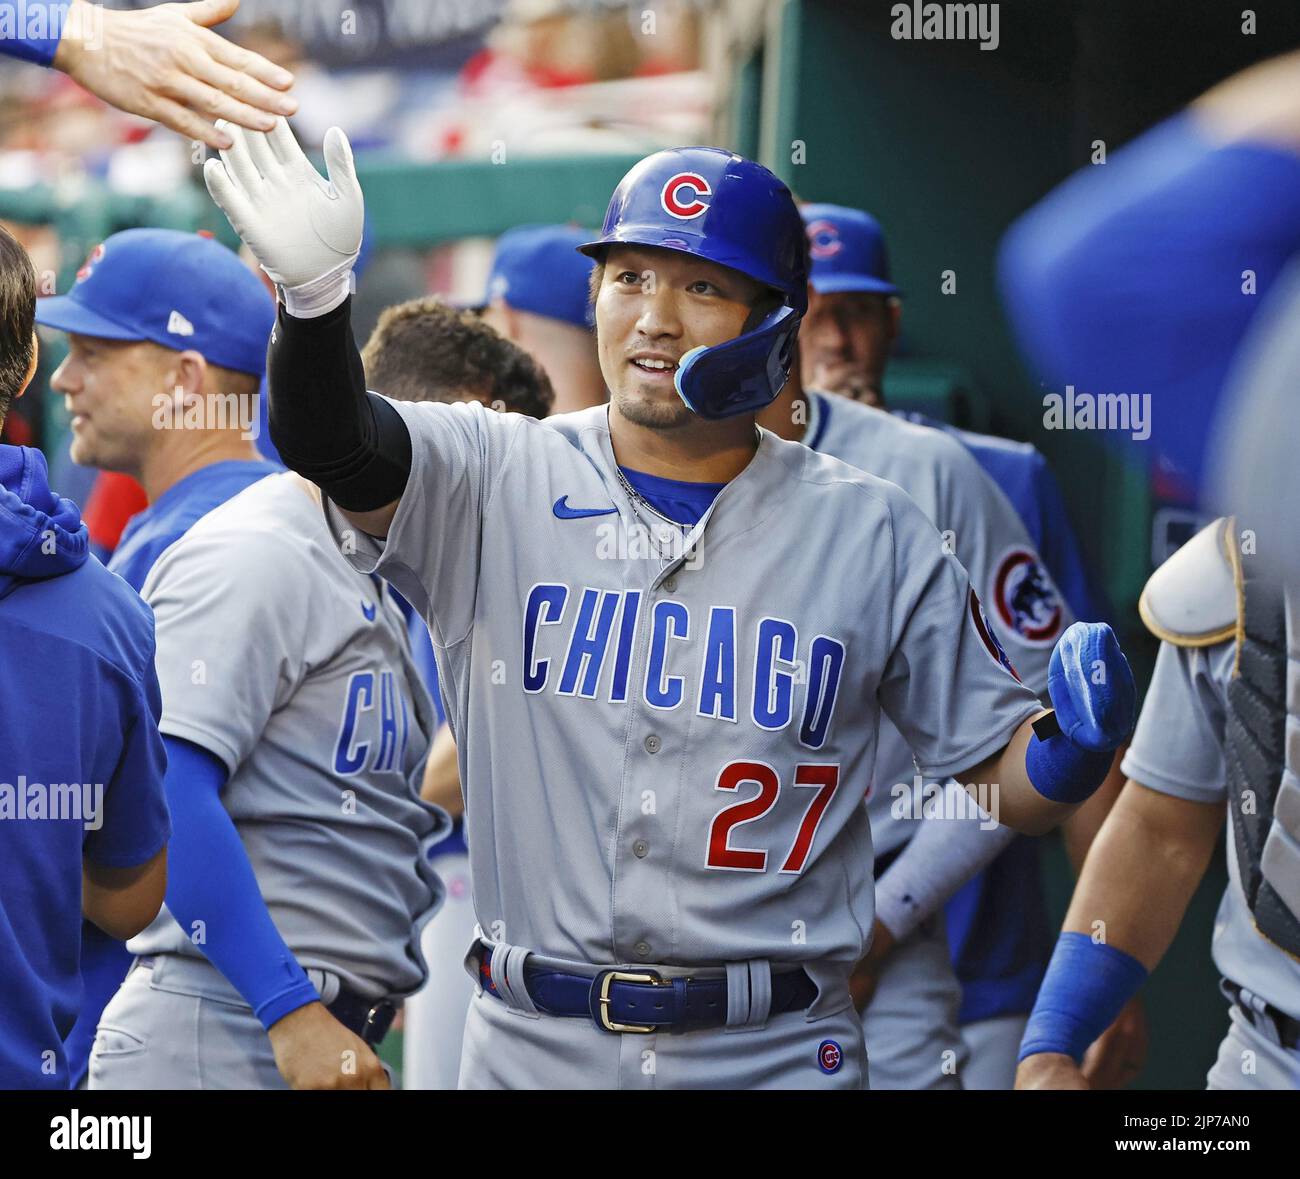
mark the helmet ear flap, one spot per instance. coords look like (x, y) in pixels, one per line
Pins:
(742, 375)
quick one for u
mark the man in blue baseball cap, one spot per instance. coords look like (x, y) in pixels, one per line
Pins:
(167, 337)
(165, 329)
(854, 311)
(538, 296)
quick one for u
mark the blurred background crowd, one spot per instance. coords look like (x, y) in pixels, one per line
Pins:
(415, 83)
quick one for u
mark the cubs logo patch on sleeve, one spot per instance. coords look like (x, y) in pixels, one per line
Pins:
(1025, 598)
(986, 634)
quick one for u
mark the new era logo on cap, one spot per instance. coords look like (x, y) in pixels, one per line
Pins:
(132, 286)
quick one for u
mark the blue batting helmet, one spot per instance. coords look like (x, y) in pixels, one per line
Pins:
(717, 205)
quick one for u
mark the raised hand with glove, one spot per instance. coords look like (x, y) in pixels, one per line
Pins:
(304, 229)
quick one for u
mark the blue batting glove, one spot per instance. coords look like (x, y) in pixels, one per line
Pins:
(1091, 686)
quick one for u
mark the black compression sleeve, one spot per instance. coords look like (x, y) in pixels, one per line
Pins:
(352, 444)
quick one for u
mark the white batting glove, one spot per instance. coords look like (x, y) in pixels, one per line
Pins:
(303, 229)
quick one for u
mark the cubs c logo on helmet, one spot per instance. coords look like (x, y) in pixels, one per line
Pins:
(89, 264)
(824, 239)
(681, 195)
(1025, 599)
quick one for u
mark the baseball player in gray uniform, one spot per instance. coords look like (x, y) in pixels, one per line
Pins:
(665, 640)
(1218, 726)
(914, 996)
(299, 727)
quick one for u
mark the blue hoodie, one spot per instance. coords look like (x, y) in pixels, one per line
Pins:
(81, 760)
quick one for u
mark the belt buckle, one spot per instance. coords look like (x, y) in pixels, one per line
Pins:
(603, 1001)
(380, 1013)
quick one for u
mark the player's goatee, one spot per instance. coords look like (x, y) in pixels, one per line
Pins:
(653, 414)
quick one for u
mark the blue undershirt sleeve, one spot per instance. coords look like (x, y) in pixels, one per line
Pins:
(211, 882)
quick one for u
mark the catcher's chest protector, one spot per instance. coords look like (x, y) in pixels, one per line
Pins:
(1262, 748)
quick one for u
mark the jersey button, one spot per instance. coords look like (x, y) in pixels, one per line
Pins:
(653, 744)
(642, 949)
(640, 848)
(670, 585)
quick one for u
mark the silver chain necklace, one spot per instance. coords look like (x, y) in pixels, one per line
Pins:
(661, 538)
(638, 499)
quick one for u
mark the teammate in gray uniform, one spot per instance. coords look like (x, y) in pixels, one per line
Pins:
(910, 1020)
(665, 745)
(1190, 755)
(846, 341)
(294, 673)
(423, 350)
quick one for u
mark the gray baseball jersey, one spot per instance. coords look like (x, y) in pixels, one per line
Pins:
(295, 671)
(665, 736)
(1252, 1059)
(1177, 749)
(977, 522)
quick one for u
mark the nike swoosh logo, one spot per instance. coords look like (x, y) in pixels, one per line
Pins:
(368, 611)
(564, 512)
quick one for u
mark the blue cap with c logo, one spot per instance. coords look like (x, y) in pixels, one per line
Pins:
(846, 250)
(179, 290)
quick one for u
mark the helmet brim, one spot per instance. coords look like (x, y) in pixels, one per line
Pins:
(692, 246)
